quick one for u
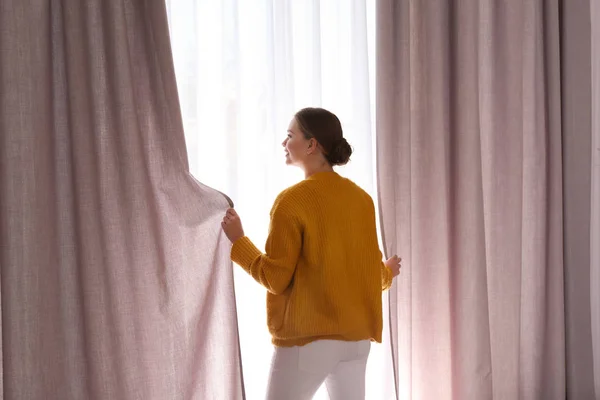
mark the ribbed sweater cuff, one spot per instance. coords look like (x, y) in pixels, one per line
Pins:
(243, 252)
(387, 279)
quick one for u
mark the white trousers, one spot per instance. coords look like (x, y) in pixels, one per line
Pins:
(298, 372)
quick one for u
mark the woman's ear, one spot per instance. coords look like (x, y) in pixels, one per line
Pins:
(312, 145)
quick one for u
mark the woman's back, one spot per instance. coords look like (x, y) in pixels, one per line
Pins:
(333, 290)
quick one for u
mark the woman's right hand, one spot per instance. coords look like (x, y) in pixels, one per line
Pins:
(393, 264)
(232, 225)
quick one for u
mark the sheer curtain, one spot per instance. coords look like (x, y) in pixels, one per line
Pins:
(243, 69)
(470, 184)
(115, 279)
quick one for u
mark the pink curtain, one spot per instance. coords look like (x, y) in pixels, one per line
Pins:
(581, 155)
(595, 195)
(470, 187)
(115, 276)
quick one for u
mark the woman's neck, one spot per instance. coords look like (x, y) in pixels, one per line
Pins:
(311, 170)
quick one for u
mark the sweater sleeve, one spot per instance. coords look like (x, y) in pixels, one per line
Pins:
(386, 273)
(386, 277)
(274, 269)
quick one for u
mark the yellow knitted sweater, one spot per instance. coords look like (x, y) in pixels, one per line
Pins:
(322, 268)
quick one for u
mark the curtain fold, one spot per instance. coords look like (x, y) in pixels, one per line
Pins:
(595, 194)
(470, 189)
(115, 278)
(580, 100)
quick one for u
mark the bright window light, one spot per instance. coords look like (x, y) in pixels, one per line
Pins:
(243, 69)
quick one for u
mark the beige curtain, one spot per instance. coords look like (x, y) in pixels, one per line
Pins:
(115, 277)
(469, 180)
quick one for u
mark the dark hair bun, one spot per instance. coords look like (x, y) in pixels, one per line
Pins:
(340, 153)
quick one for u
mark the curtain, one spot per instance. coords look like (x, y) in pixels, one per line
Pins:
(580, 108)
(243, 69)
(595, 195)
(115, 277)
(470, 190)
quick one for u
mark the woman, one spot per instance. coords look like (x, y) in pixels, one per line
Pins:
(322, 268)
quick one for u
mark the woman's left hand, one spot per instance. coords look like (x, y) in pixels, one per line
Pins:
(232, 225)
